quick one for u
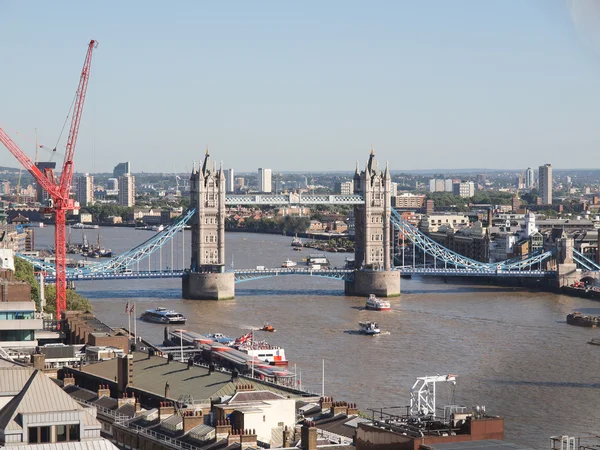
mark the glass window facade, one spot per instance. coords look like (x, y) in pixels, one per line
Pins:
(16, 335)
(17, 315)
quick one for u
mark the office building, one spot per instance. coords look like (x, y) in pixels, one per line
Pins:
(240, 183)
(344, 187)
(465, 189)
(529, 178)
(121, 169)
(41, 194)
(127, 190)
(113, 184)
(264, 180)
(546, 184)
(84, 190)
(229, 180)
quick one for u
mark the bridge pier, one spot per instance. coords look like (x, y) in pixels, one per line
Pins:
(380, 283)
(208, 286)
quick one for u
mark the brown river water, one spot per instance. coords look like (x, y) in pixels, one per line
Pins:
(511, 349)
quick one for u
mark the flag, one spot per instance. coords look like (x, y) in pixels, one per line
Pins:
(132, 308)
(127, 308)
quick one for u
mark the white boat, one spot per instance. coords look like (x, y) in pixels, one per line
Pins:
(262, 350)
(86, 226)
(158, 228)
(369, 328)
(297, 242)
(289, 263)
(377, 304)
(163, 315)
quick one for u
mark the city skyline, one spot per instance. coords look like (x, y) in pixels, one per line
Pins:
(474, 85)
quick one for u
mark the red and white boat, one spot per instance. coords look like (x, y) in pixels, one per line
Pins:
(377, 304)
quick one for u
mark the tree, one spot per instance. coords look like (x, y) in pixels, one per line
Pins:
(75, 301)
(24, 272)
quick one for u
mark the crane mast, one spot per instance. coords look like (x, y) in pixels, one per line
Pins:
(60, 191)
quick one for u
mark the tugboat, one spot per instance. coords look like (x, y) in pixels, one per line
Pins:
(377, 304)
(163, 315)
(297, 242)
(577, 318)
(369, 328)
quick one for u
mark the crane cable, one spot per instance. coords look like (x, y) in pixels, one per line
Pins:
(66, 120)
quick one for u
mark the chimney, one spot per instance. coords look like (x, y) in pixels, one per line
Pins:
(138, 405)
(124, 372)
(233, 437)
(38, 360)
(165, 410)
(124, 400)
(223, 429)
(191, 419)
(247, 387)
(339, 408)
(308, 436)
(326, 403)
(103, 391)
(352, 409)
(68, 380)
(286, 437)
(167, 390)
(248, 439)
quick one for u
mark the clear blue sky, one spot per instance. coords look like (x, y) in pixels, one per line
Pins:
(307, 85)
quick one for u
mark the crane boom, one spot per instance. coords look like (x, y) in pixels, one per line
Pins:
(67, 172)
(27, 163)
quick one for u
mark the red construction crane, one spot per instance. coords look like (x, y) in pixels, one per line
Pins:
(59, 191)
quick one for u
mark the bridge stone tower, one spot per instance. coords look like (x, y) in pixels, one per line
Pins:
(207, 279)
(373, 234)
(566, 267)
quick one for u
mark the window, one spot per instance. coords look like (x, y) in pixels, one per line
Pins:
(44, 435)
(33, 435)
(61, 433)
(74, 432)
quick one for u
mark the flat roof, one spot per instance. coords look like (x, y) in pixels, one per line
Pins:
(488, 444)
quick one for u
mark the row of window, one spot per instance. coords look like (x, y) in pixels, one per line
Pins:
(17, 315)
(16, 335)
(51, 434)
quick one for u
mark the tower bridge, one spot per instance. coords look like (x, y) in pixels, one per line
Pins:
(207, 278)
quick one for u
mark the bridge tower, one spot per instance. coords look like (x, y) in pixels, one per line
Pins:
(207, 279)
(566, 267)
(372, 258)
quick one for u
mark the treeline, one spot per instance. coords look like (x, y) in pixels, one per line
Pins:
(102, 212)
(285, 225)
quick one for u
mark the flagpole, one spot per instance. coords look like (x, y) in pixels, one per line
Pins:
(252, 330)
(323, 381)
(134, 325)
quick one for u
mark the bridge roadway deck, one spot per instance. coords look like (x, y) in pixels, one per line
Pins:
(242, 275)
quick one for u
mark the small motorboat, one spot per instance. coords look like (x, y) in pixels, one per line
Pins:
(369, 328)
(267, 327)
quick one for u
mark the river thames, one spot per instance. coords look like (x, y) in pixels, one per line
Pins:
(511, 349)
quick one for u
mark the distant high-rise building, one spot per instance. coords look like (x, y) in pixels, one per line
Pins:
(113, 184)
(344, 187)
(41, 194)
(464, 189)
(546, 184)
(127, 190)
(240, 183)
(122, 169)
(448, 185)
(84, 189)
(529, 178)
(264, 180)
(229, 180)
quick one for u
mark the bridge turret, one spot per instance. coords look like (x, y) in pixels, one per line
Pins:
(372, 233)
